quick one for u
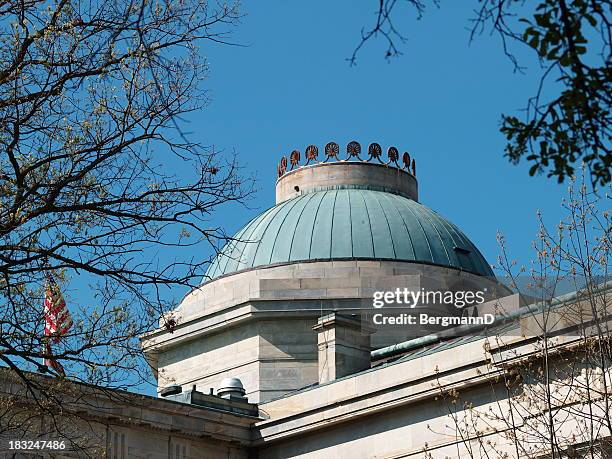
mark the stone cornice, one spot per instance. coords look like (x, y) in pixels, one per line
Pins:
(374, 391)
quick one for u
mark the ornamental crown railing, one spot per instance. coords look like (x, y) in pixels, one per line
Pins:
(353, 153)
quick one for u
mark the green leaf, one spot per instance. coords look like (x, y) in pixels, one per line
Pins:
(541, 19)
(565, 60)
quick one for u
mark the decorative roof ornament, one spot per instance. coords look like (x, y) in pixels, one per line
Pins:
(375, 151)
(311, 153)
(393, 155)
(406, 160)
(353, 151)
(332, 149)
(282, 166)
(294, 159)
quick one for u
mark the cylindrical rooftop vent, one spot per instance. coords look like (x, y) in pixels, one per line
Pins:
(231, 388)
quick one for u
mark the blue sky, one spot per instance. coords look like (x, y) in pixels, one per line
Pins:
(290, 85)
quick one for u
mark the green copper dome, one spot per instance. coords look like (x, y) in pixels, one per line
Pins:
(349, 223)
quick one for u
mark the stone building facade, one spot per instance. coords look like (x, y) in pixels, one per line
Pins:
(278, 353)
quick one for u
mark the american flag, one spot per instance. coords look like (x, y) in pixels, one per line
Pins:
(57, 321)
(57, 317)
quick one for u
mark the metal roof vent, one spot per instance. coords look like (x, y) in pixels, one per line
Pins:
(231, 389)
(171, 390)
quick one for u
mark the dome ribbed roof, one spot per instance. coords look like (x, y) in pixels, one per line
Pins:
(348, 224)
